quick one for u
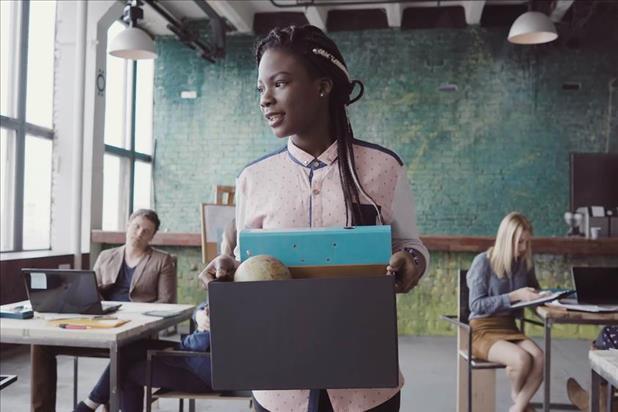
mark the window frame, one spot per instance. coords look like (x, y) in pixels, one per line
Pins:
(131, 153)
(21, 128)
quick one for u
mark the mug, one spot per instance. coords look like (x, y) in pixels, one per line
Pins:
(594, 232)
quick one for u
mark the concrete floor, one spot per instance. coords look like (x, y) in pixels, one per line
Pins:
(428, 364)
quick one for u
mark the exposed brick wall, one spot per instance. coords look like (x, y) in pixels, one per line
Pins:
(500, 143)
(419, 311)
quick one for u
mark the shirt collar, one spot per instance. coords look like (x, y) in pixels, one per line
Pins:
(297, 154)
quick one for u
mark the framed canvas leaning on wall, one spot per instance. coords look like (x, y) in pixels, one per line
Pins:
(214, 220)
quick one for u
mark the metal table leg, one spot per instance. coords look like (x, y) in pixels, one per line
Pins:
(595, 383)
(547, 366)
(114, 404)
(75, 372)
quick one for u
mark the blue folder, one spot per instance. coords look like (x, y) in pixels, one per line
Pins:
(358, 245)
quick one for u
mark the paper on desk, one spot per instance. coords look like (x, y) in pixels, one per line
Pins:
(55, 316)
(94, 323)
(571, 304)
(38, 280)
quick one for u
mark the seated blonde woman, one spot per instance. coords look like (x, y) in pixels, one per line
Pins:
(497, 278)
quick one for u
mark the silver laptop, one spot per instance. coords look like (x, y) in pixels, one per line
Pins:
(596, 285)
(304, 334)
(65, 291)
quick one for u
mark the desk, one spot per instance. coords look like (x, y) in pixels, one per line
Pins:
(551, 316)
(38, 331)
(603, 366)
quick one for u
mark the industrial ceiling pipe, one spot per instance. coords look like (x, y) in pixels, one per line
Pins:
(316, 3)
(189, 37)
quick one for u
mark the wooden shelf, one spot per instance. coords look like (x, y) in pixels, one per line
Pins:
(473, 244)
(540, 245)
(160, 239)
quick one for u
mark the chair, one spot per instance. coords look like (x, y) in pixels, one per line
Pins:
(486, 371)
(166, 393)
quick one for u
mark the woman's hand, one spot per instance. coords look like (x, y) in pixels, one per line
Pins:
(406, 272)
(524, 295)
(222, 267)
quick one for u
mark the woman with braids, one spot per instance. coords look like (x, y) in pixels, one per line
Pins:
(322, 177)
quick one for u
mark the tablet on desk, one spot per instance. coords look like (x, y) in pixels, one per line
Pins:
(162, 313)
(543, 299)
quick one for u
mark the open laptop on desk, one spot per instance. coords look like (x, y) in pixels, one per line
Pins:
(304, 334)
(596, 288)
(596, 285)
(65, 291)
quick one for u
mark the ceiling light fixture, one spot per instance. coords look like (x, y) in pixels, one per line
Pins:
(532, 27)
(133, 43)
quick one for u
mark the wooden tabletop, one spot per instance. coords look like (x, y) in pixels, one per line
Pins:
(39, 331)
(605, 363)
(561, 315)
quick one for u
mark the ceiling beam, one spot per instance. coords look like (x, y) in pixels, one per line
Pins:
(562, 6)
(393, 14)
(473, 10)
(239, 13)
(317, 16)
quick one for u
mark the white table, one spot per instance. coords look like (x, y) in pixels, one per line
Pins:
(553, 315)
(39, 331)
(604, 367)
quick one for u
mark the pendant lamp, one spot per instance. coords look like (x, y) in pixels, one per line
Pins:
(532, 27)
(132, 43)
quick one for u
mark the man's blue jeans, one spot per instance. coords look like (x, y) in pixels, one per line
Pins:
(169, 373)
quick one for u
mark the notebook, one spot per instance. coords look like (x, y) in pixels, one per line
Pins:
(304, 334)
(65, 291)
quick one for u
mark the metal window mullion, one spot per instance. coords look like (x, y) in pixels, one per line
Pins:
(120, 152)
(20, 141)
(9, 122)
(132, 136)
(39, 131)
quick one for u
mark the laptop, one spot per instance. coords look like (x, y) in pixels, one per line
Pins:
(304, 334)
(596, 285)
(65, 291)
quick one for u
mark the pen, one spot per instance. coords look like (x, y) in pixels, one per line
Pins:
(67, 326)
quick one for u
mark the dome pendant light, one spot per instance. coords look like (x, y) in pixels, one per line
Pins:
(132, 43)
(532, 27)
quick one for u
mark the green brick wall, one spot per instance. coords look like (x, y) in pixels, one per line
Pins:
(419, 311)
(500, 143)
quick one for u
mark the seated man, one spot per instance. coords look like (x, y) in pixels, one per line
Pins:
(133, 272)
(186, 374)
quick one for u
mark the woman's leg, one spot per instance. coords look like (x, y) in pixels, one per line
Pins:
(518, 364)
(164, 375)
(535, 376)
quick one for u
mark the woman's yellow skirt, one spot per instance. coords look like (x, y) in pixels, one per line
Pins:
(487, 331)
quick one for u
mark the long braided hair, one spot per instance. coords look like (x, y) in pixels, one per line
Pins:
(322, 58)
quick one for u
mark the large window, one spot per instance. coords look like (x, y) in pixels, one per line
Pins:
(127, 165)
(27, 33)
